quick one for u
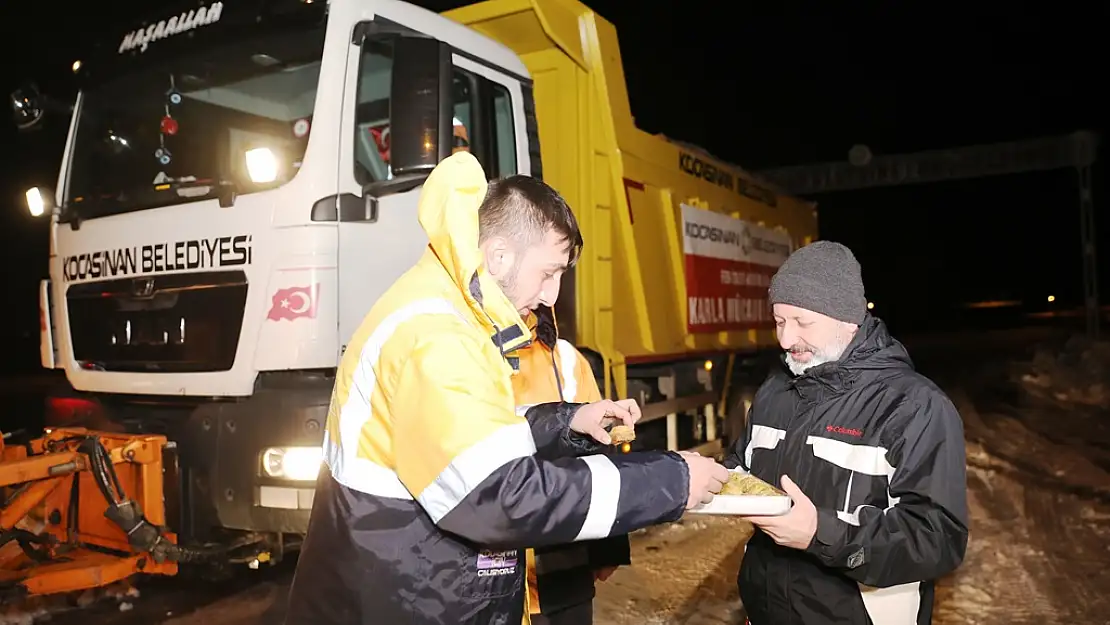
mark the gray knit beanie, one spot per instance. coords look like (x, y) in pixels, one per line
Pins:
(823, 277)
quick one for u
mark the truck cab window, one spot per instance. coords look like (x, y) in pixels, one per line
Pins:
(483, 123)
(372, 112)
(482, 118)
(155, 132)
(505, 138)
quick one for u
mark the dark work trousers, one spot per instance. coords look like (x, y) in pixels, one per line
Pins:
(581, 614)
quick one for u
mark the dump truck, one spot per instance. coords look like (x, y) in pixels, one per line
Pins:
(239, 185)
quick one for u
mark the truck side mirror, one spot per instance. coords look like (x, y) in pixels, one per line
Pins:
(420, 106)
(27, 106)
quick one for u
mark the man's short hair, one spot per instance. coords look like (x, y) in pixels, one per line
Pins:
(522, 209)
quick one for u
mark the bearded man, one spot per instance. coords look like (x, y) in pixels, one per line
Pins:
(870, 451)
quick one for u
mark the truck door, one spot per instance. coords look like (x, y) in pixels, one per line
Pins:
(381, 238)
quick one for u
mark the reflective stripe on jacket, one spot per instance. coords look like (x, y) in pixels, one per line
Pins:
(433, 483)
(563, 575)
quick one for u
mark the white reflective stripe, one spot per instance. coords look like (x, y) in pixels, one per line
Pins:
(763, 437)
(363, 475)
(852, 518)
(896, 605)
(860, 458)
(568, 362)
(848, 491)
(605, 494)
(523, 410)
(471, 467)
(342, 456)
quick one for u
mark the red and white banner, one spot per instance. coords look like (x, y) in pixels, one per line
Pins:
(729, 264)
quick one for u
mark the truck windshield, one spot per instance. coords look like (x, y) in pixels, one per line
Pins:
(174, 131)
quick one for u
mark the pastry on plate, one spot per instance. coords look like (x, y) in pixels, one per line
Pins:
(743, 484)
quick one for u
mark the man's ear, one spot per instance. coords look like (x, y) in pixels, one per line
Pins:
(499, 256)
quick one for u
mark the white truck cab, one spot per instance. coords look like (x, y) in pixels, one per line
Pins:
(239, 185)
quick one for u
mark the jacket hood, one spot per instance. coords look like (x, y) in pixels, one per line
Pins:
(448, 212)
(872, 349)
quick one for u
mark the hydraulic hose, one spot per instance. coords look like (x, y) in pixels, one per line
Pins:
(128, 515)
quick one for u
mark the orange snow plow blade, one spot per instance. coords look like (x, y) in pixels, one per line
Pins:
(81, 509)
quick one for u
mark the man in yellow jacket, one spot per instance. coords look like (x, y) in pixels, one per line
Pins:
(561, 577)
(434, 481)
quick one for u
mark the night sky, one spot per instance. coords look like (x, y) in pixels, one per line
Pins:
(761, 84)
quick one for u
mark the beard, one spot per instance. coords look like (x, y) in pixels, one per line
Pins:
(508, 285)
(818, 355)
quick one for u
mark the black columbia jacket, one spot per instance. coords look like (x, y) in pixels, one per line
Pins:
(879, 449)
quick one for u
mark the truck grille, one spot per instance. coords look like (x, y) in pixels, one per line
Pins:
(176, 323)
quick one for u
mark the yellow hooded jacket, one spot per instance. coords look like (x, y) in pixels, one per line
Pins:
(434, 480)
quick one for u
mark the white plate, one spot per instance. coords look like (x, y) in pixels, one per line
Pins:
(745, 505)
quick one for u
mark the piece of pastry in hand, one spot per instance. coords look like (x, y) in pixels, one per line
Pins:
(745, 485)
(622, 434)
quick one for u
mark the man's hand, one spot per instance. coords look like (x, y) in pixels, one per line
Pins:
(604, 573)
(707, 478)
(795, 528)
(592, 419)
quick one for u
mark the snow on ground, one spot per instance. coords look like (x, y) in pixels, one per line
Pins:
(682, 573)
(1039, 493)
(41, 609)
(1036, 554)
(1076, 371)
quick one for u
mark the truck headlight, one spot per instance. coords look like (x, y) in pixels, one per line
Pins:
(262, 165)
(300, 464)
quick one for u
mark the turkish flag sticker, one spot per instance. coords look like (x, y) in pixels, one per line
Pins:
(294, 302)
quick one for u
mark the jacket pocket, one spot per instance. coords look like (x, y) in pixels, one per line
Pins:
(496, 573)
(458, 569)
(860, 472)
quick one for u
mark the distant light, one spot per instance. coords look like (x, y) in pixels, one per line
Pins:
(870, 305)
(36, 204)
(262, 165)
(76, 66)
(1051, 298)
(708, 365)
(859, 155)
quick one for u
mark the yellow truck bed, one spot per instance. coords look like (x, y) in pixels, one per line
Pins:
(637, 295)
